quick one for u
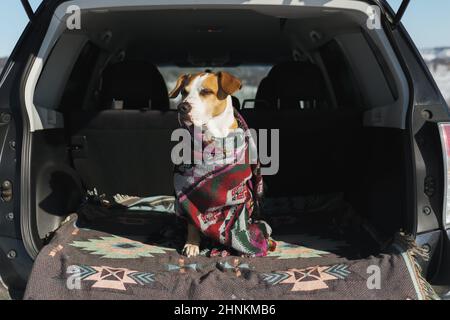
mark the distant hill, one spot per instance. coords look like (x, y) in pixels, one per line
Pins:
(441, 55)
(438, 61)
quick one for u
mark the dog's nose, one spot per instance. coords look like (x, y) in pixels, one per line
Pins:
(184, 107)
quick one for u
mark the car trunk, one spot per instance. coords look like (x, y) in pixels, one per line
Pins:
(326, 159)
(328, 149)
(341, 215)
(339, 158)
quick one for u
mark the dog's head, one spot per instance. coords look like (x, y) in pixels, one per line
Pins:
(204, 95)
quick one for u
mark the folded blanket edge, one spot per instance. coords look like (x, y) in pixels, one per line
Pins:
(407, 246)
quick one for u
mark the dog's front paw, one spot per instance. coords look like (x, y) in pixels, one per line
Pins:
(191, 250)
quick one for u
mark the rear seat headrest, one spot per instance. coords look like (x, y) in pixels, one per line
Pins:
(136, 85)
(236, 103)
(292, 85)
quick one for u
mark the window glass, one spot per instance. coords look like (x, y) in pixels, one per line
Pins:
(250, 75)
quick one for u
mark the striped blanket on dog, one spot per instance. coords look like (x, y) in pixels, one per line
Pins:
(219, 191)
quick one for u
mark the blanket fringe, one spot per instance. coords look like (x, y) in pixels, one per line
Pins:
(414, 252)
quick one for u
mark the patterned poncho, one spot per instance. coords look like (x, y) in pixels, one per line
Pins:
(220, 190)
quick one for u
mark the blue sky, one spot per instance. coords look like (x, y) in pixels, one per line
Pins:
(428, 22)
(12, 22)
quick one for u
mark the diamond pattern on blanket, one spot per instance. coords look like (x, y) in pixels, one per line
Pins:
(308, 279)
(313, 278)
(115, 247)
(168, 275)
(116, 278)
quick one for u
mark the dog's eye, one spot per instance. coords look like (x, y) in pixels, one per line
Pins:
(205, 92)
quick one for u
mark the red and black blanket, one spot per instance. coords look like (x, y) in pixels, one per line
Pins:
(220, 190)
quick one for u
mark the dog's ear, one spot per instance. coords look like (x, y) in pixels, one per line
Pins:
(180, 84)
(228, 84)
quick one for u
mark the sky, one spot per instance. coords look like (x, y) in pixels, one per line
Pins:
(13, 20)
(428, 22)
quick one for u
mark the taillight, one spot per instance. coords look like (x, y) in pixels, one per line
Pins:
(444, 129)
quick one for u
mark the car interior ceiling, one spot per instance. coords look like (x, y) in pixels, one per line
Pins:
(324, 146)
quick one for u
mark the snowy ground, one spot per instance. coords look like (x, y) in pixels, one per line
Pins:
(441, 74)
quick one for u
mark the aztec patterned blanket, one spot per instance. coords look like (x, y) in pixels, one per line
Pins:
(315, 258)
(220, 189)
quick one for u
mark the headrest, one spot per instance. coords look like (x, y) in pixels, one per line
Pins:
(133, 85)
(236, 103)
(291, 85)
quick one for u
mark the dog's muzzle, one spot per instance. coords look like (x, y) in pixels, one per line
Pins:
(183, 113)
(184, 108)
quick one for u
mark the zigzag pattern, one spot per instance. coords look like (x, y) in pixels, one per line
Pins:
(238, 244)
(86, 271)
(275, 277)
(172, 267)
(142, 277)
(226, 265)
(338, 270)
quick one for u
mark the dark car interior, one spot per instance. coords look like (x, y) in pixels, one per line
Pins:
(312, 97)
(326, 92)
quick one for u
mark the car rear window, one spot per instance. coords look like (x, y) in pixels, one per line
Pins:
(250, 75)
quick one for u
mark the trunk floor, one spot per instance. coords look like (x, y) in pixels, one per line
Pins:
(324, 253)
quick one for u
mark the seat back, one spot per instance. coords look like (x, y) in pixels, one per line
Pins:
(318, 144)
(135, 84)
(292, 85)
(317, 150)
(124, 151)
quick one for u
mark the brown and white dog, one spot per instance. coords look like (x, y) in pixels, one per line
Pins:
(206, 102)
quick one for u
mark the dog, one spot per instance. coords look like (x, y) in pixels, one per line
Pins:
(206, 103)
